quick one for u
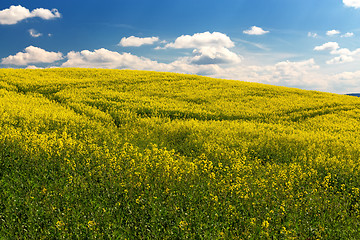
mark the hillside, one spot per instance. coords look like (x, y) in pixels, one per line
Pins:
(120, 154)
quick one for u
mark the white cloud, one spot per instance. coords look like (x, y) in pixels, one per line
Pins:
(32, 55)
(345, 55)
(255, 31)
(345, 82)
(199, 40)
(301, 74)
(15, 14)
(214, 55)
(292, 74)
(103, 58)
(45, 14)
(136, 41)
(286, 73)
(209, 48)
(34, 33)
(340, 59)
(313, 35)
(331, 46)
(348, 34)
(33, 67)
(332, 32)
(352, 3)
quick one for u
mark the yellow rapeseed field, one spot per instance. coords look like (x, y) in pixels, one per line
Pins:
(120, 154)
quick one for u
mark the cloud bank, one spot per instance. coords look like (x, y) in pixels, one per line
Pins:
(32, 55)
(103, 58)
(209, 55)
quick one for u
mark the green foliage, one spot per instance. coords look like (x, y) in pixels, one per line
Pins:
(110, 154)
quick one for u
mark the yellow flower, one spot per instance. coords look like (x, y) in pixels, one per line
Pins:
(60, 224)
(91, 224)
(265, 224)
(183, 224)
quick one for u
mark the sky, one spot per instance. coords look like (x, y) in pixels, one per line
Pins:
(307, 44)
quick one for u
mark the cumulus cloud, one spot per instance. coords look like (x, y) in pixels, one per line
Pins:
(331, 46)
(340, 59)
(34, 33)
(32, 55)
(209, 48)
(348, 34)
(332, 32)
(213, 55)
(254, 30)
(286, 73)
(103, 58)
(345, 55)
(302, 74)
(199, 40)
(45, 14)
(345, 82)
(137, 42)
(352, 3)
(15, 14)
(292, 74)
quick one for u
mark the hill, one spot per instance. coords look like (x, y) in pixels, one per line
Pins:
(118, 154)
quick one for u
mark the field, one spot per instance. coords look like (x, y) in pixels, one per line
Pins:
(119, 154)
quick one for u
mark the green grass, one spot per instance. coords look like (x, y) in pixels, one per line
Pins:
(110, 154)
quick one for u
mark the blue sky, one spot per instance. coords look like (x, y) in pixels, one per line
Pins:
(307, 44)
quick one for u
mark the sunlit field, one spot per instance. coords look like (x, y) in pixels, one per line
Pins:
(117, 154)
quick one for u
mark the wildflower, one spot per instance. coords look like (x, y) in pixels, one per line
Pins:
(265, 224)
(183, 224)
(60, 224)
(91, 224)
